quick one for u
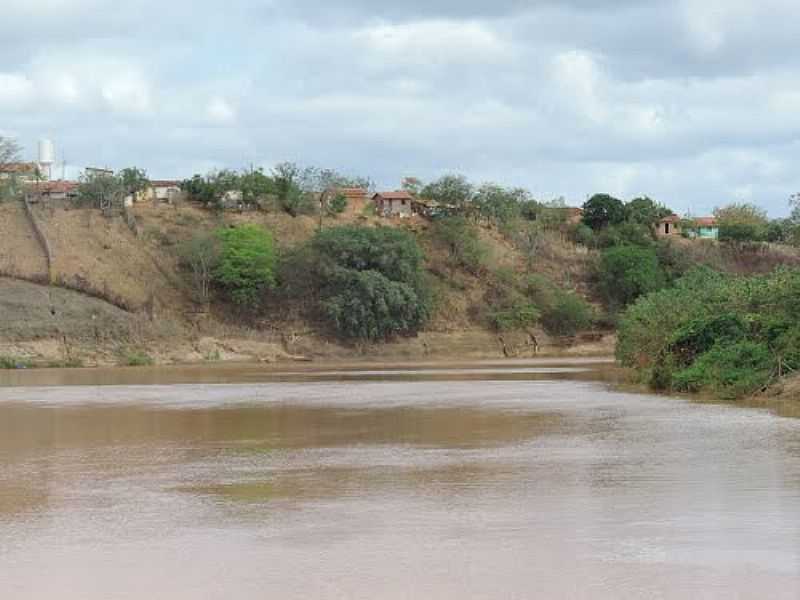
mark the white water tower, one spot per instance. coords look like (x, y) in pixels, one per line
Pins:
(47, 156)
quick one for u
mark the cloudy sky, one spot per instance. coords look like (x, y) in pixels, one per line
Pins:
(693, 102)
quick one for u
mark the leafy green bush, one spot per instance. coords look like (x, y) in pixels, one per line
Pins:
(741, 232)
(507, 307)
(563, 313)
(137, 358)
(367, 283)
(629, 233)
(465, 249)
(728, 370)
(14, 362)
(675, 261)
(584, 235)
(628, 272)
(246, 264)
(602, 210)
(370, 306)
(568, 315)
(730, 335)
(337, 205)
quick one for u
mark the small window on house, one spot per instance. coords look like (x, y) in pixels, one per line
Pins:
(404, 202)
(666, 228)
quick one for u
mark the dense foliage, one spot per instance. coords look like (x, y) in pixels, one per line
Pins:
(563, 313)
(726, 334)
(627, 272)
(508, 307)
(246, 264)
(99, 189)
(368, 283)
(602, 210)
(288, 188)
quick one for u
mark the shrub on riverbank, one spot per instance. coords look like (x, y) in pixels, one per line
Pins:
(366, 283)
(627, 272)
(726, 334)
(246, 264)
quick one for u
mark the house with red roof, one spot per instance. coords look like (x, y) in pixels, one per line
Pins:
(393, 204)
(705, 228)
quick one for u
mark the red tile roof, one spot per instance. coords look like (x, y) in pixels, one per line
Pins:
(18, 167)
(55, 187)
(353, 193)
(164, 183)
(671, 219)
(706, 221)
(394, 195)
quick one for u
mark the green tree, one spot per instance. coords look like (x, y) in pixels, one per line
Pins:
(628, 232)
(101, 190)
(567, 315)
(741, 213)
(794, 203)
(337, 205)
(727, 334)
(370, 306)
(255, 187)
(213, 188)
(741, 222)
(412, 185)
(246, 266)
(200, 189)
(369, 281)
(499, 205)
(602, 210)
(292, 199)
(645, 211)
(460, 237)
(134, 180)
(741, 232)
(450, 190)
(10, 152)
(563, 313)
(507, 307)
(628, 272)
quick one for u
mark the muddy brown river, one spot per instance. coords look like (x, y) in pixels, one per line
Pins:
(498, 480)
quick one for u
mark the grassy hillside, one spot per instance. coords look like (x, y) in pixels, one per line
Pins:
(494, 289)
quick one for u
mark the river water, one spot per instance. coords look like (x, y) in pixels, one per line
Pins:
(513, 480)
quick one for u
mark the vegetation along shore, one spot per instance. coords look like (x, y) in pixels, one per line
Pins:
(309, 264)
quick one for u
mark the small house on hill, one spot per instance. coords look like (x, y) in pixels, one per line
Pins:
(393, 204)
(669, 226)
(24, 171)
(53, 190)
(707, 228)
(165, 190)
(357, 198)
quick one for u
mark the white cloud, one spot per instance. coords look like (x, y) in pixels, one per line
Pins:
(688, 101)
(220, 111)
(16, 91)
(580, 84)
(427, 43)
